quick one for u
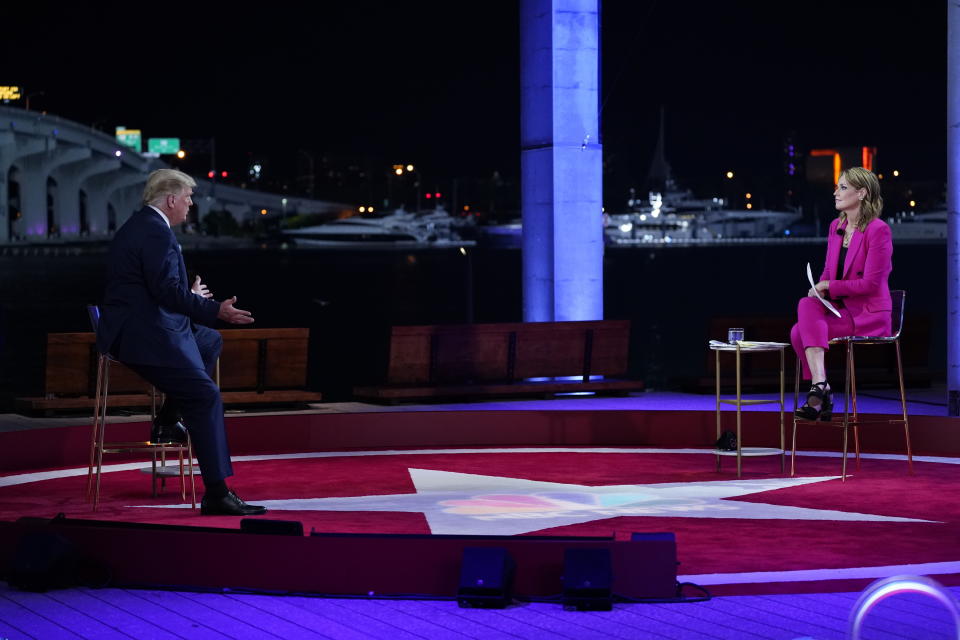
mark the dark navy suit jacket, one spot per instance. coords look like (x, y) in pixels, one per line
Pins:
(148, 307)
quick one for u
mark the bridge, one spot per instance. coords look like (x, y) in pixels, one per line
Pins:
(62, 180)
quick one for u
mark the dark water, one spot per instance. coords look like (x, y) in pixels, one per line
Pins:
(350, 298)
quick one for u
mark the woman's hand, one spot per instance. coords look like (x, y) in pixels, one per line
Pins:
(819, 290)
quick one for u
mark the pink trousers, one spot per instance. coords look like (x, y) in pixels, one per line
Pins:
(815, 327)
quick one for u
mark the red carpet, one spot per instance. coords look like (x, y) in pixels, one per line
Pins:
(706, 545)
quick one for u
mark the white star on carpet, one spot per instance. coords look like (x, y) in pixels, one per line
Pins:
(471, 504)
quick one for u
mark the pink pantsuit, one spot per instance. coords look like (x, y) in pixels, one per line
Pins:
(863, 292)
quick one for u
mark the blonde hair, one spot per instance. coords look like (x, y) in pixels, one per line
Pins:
(166, 182)
(872, 204)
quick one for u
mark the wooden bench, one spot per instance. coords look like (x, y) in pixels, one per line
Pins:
(256, 366)
(435, 361)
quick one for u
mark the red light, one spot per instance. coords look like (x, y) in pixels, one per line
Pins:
(210, 174)
(437, 195)
(429, 196)
(223, 174)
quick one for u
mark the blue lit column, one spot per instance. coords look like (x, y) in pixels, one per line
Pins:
(561, 160)
(953, 209)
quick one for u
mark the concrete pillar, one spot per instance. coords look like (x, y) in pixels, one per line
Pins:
(34, 171)
(99, 189)
(14, 147)
(953, 209)
(69, 178)
(127, 200)
(560, 159)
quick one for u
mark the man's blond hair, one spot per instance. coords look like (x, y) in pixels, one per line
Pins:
(166, 182)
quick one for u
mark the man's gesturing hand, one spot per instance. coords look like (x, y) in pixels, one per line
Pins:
(229, 313)
(201, 289)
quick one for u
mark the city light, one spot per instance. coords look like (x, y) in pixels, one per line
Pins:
(913, 203)
(210, 174)
(409, 167)
(363, 209)
(223, 174)
(370, 209)
(438, 195)
(263, 212)
(729, 175)
(398, 171)
(181, 154)
(466, 207)
(428, 196)
(896, 173)
(749, 206)
(749, 195)
(118, 153)
(463, 251)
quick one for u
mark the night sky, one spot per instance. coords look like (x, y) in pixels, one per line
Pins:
(437, 83)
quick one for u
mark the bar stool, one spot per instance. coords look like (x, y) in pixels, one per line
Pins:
(156, 449)
(853, 420)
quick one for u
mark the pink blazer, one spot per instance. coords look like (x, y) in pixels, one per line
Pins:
(863, 290)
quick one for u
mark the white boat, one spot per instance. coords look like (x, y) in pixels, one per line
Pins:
(434, 228)
(919, 226)
(677, 216)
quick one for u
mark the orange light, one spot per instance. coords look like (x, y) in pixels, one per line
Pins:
(749, 206)
(836, 161)
(263, 212)
(398, 171)
(181, 154)
(866, 157)
(749, 195)
(466, 207)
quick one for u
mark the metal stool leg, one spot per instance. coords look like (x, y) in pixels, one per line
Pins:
(796, 403)
(903, 405)
(95, 427)
(853, 402)
(100, 434)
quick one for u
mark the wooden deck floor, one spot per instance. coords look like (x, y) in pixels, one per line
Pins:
(146, 614)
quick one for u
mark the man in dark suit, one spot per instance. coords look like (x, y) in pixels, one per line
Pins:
(156, 324)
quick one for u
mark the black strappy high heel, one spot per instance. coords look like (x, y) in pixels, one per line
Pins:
(823, 411)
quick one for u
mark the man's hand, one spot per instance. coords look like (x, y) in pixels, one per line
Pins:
(201, 289)
(229, 313)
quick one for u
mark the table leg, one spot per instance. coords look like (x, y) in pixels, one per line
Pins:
(739, 399)
(716, 371)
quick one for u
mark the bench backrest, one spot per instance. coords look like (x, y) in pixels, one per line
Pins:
(436, 354)
(252, 359)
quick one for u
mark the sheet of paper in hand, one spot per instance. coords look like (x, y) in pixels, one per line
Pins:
(825, 302)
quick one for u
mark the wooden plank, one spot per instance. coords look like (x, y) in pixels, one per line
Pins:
(286, 364)
(472, 354)
(68, 368)
(550, 350)
(238, 363)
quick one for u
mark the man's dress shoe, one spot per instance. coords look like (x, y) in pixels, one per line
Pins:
(229, 505)
(175, 432)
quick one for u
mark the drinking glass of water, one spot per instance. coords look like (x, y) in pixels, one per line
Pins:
(734, 334)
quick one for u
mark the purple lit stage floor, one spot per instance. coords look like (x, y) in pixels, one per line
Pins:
(922, 402)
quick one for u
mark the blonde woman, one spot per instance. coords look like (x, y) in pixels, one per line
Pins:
(855, 274)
